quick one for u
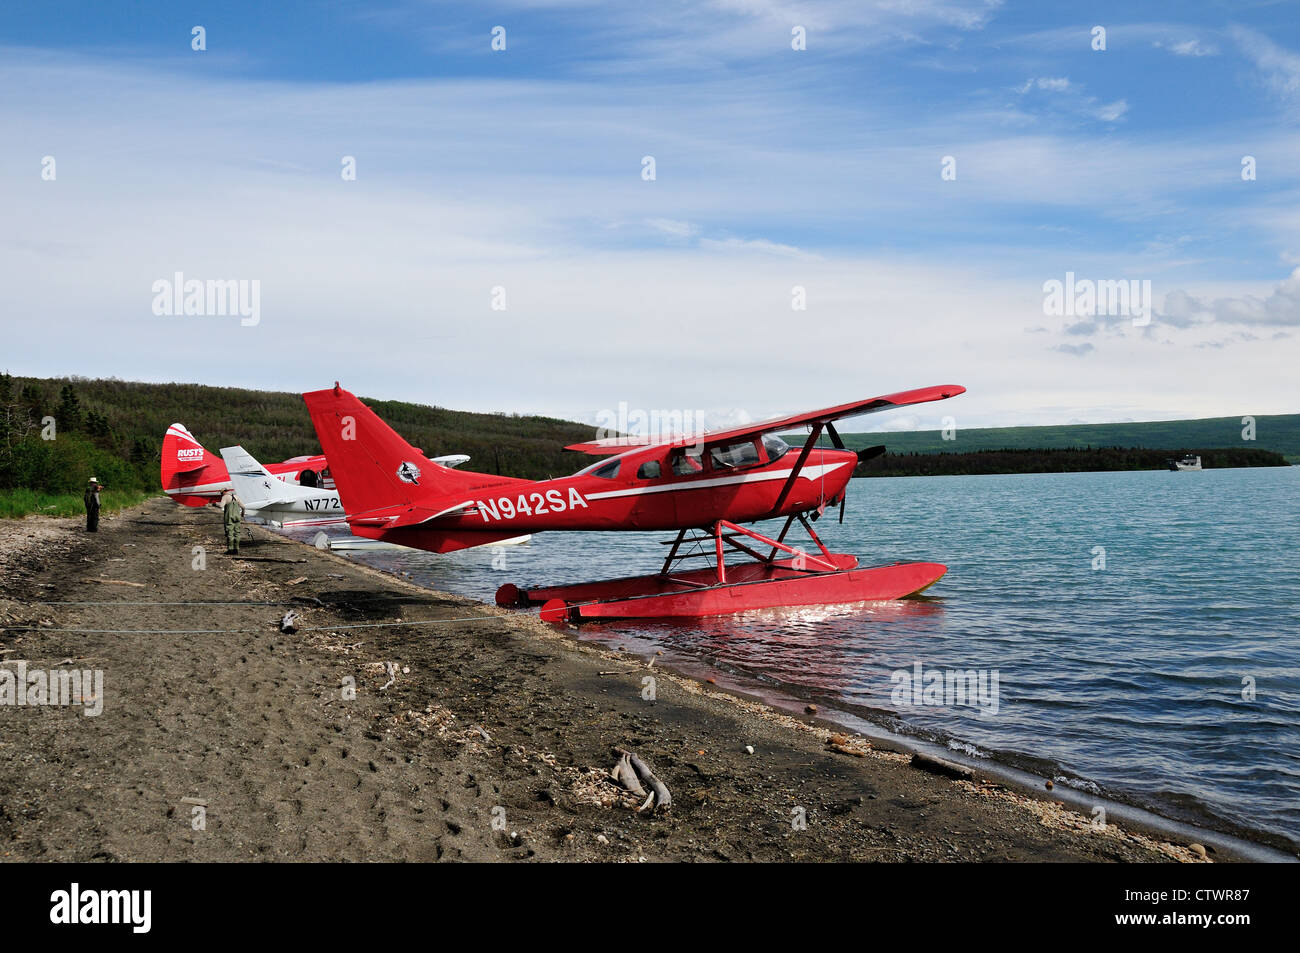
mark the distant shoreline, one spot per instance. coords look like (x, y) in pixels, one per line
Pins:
(1081, 460)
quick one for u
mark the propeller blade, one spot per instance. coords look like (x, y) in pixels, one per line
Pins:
(834, 435)
(867, 453)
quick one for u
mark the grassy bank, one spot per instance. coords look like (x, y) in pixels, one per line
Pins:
(15, 504)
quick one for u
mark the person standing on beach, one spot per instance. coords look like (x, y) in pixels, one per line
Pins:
(92, 505)
(232, 512)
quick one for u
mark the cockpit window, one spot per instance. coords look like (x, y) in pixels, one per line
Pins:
(775, 446)
(735, 455)
(650, 470)
(686, 462)
(608, 471)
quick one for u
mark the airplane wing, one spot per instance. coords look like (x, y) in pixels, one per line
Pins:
(789, 422)
(828, 415)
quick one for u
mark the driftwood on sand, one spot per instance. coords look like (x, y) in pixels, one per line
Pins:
(623, 773)
(639, 775)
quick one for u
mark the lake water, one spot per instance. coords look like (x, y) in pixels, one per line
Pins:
(1144, 628)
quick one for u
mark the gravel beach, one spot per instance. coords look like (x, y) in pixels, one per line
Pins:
(472, 733)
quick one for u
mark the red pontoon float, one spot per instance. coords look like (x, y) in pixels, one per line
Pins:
(762, 582)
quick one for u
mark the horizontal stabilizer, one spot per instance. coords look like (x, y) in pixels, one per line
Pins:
(405, 514)
(452, 459)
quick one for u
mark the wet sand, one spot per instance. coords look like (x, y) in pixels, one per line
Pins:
(475, 733)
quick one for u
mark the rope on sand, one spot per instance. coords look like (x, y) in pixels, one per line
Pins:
(202, 602)
(309, 628)
(36, 602)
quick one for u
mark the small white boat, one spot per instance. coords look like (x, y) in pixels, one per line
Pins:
(1189, 462)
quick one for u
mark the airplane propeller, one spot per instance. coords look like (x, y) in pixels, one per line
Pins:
(867, 453)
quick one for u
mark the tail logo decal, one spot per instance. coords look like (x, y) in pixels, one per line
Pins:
(409, 473)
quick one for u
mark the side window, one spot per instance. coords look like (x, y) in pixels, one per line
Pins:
(609, 470)
(734, 455)
(686, 462)
(776, 447)
(650, 470)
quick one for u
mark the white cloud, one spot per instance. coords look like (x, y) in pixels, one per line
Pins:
(672, 227)
(760, 245)
(1280, 66)
(1054, 84)
(1192, 48)
(1112, 111)
(1280, 307)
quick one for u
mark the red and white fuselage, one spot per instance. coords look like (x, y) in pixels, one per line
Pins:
(393, 492)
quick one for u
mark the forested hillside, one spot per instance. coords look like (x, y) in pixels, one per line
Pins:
(114, 429)
(55, 433)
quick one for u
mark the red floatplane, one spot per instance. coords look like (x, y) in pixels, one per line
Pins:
(703, 487)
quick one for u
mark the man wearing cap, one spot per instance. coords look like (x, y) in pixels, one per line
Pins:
(92, 505)
(232, 511)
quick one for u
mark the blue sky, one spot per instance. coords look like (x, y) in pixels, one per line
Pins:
(775, 168)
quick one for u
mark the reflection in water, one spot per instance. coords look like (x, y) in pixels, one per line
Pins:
(811, 651)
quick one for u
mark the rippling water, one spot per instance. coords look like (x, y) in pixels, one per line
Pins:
(1127, 680)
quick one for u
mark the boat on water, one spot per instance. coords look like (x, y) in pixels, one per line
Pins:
(1190, 462)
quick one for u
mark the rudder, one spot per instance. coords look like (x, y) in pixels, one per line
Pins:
(371, 464)
(189, 474)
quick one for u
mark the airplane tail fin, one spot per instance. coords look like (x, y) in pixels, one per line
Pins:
(254, 485)
(372, 466)
(188, 471)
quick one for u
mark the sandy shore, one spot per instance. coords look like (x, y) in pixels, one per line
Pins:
(491, 740)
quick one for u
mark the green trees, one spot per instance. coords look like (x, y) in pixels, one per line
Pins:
(113, 429)
(55, 447)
